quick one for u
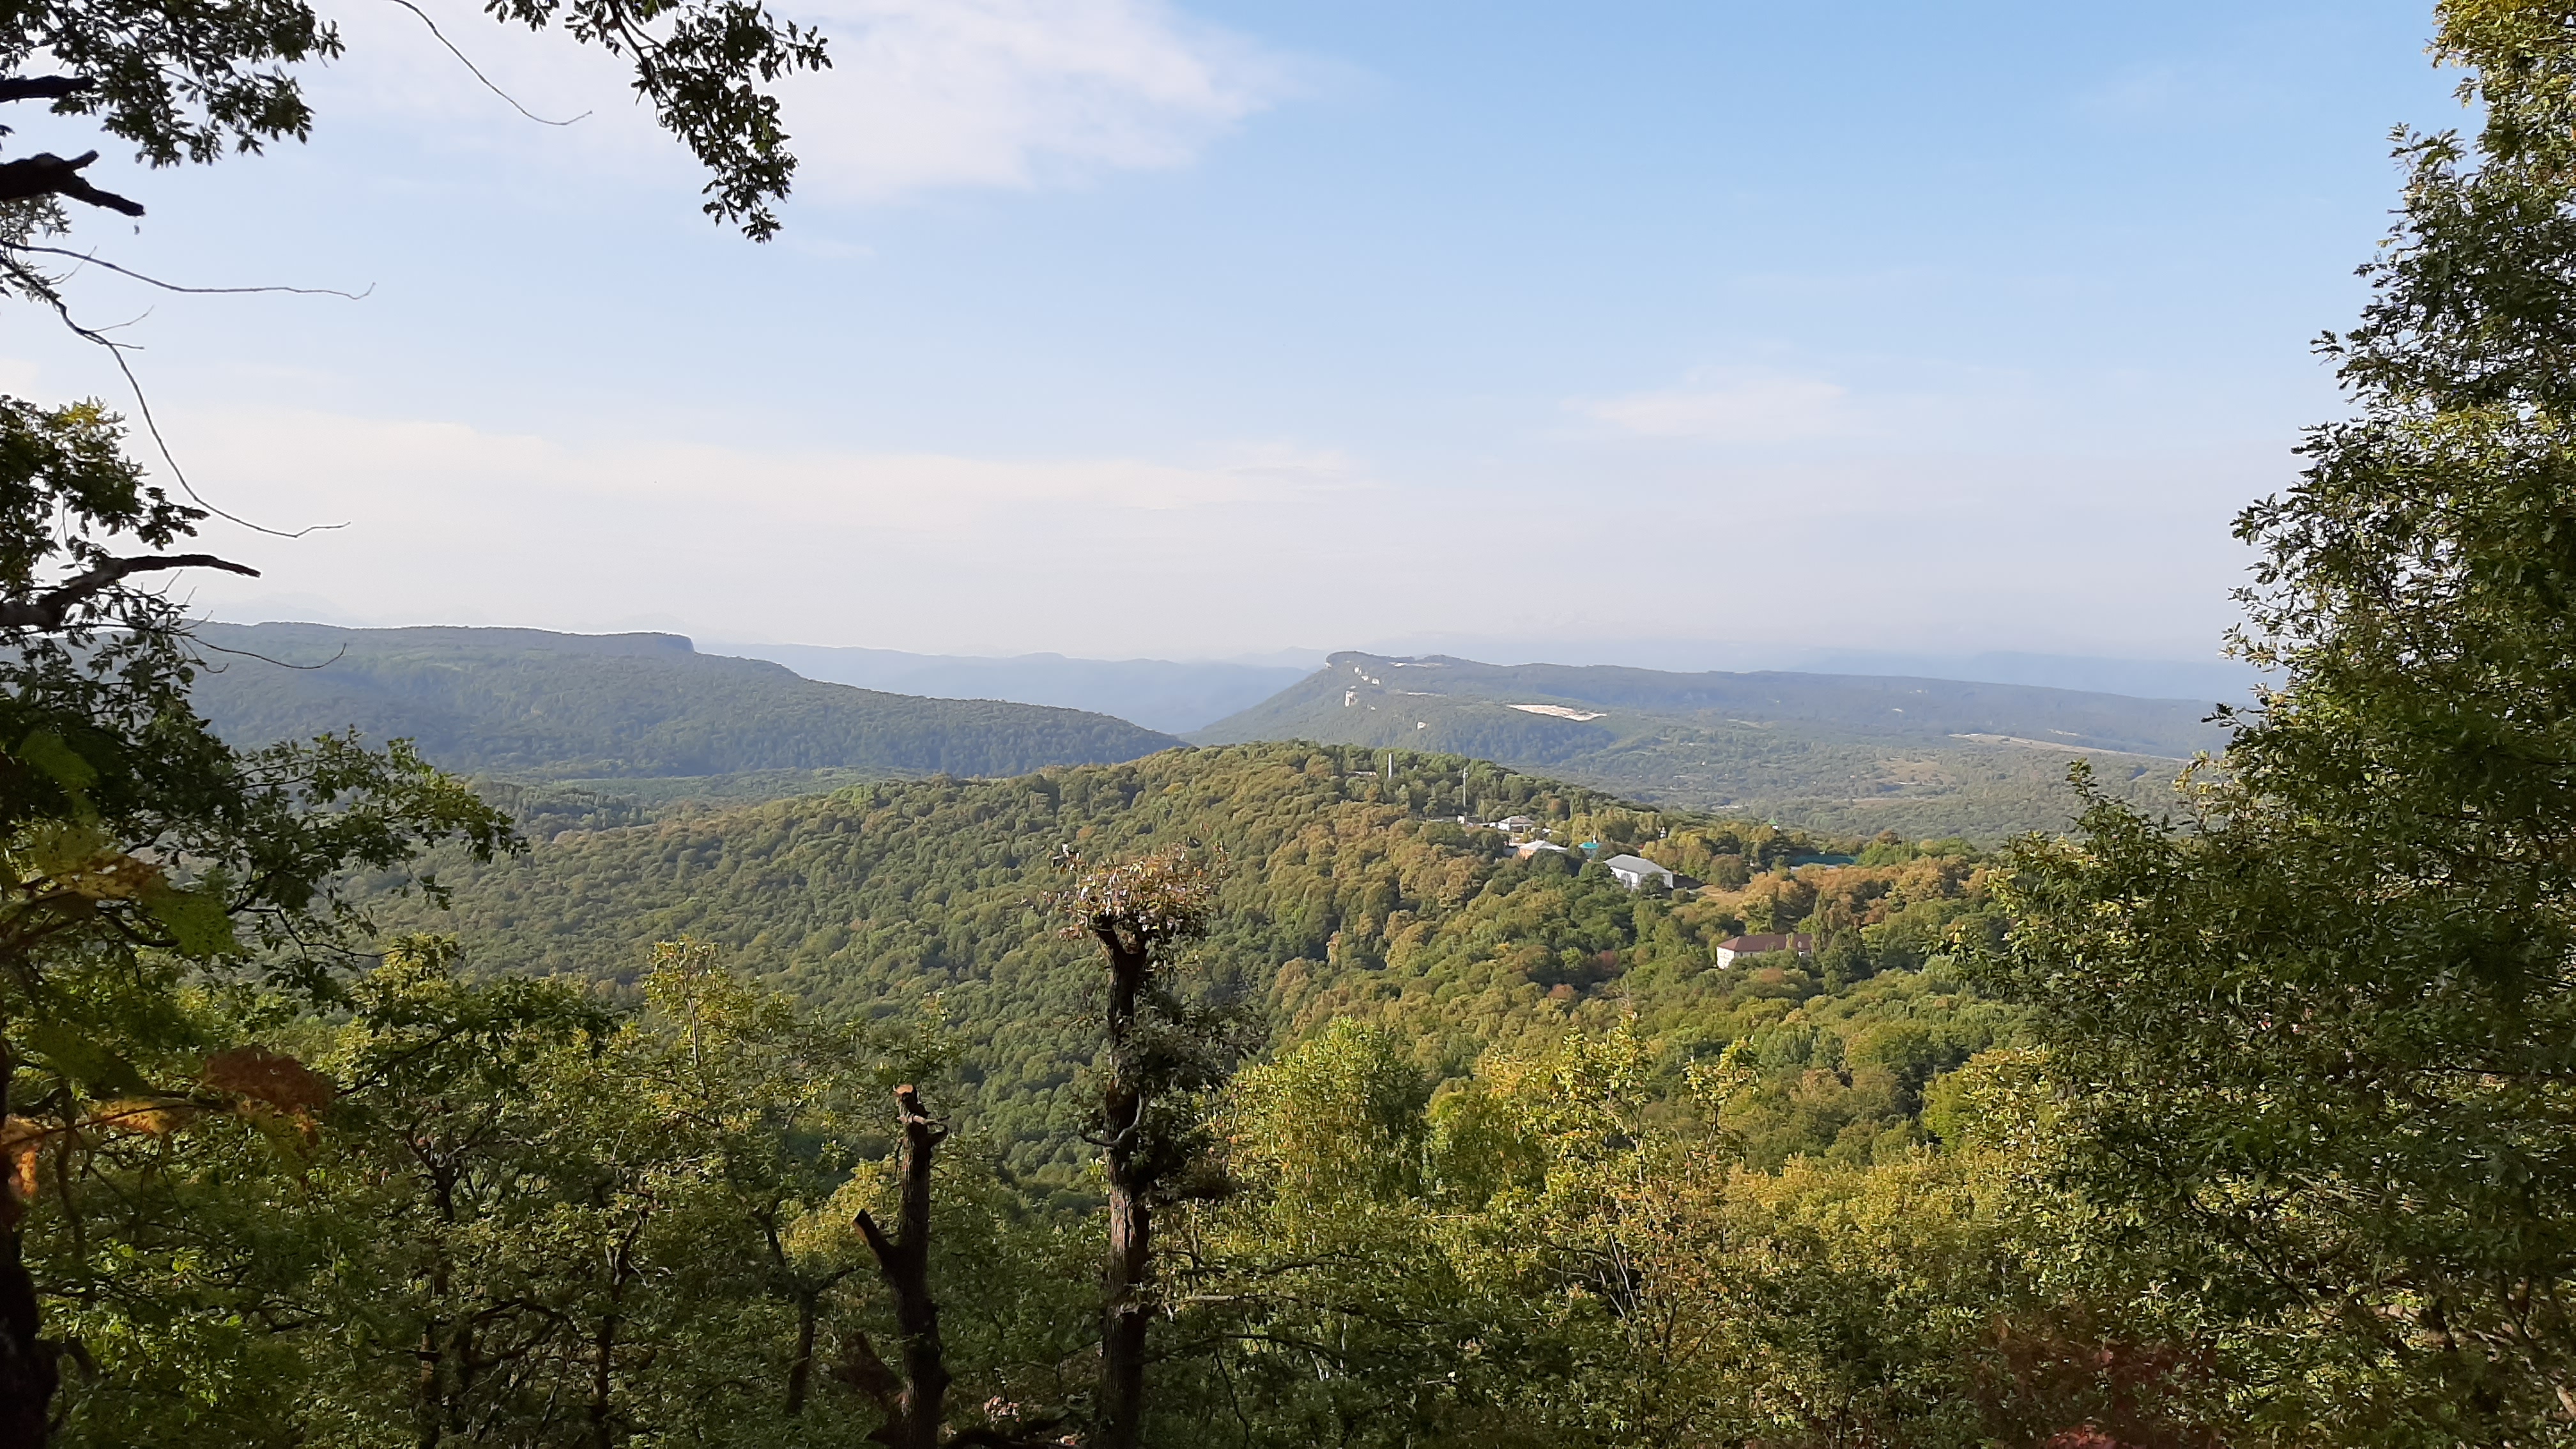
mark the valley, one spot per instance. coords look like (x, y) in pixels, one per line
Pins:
(581, 724)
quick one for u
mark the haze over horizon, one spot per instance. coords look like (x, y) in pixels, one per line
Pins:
(1122, 329)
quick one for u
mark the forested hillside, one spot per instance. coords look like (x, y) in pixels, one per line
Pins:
(1850, 753)
(1346, 895)
(643, 719)
(532, 705)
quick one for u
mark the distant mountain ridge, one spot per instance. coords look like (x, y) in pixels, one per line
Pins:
(533, 704)
(1843, 752)
(2209, 676)
(1159, 694)
(1840, 753)
(1885, 705)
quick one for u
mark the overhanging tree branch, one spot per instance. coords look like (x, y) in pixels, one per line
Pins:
(44, 87)
(49, 609)
(51, 175)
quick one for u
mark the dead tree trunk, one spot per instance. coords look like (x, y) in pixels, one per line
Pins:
(1125, 1312)
(1139, 913)
(916, 1403)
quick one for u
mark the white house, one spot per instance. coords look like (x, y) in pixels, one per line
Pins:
(1634, 871)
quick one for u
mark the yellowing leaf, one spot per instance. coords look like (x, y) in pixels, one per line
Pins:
(21, 1139)
(151, 1116)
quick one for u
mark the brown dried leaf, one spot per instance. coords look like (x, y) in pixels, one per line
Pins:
(269, 1078)
(1150, 901)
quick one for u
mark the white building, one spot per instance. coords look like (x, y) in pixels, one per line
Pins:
(1634, 871)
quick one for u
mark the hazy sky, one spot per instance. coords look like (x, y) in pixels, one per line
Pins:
(1112, 327)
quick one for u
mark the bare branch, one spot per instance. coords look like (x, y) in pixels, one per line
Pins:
(49, 609)
(461, 59)
(336, 656)
(94, 260)
(51, 175)
(864, 1369)
(879, 1244)
(44, 87)
(914, 1413)
(37, 286)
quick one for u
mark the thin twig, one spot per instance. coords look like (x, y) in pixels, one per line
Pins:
(201, 642)
(143, 405)
(461, 59)
(93, 259)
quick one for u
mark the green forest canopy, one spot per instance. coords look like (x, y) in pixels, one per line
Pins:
(1345, 895)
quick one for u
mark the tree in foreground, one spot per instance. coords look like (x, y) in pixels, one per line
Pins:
(2321, 1038)
(188, 80)
(139, 854)
(488, 1212)
(142, 859)
(1163, 1057)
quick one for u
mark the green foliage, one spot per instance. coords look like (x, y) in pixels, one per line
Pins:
(1540, 1255)
(1346, 896)
(67, 489)
(519, 1218)
(139, 853)
(2317, 1041)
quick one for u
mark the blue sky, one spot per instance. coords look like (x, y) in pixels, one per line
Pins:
(1114, 328)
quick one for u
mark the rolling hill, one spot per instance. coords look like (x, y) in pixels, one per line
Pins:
(1853, 753)
(631, 723)
(1348, 890)
(530, 705)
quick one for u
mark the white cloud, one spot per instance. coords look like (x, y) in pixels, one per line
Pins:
(1733, 405)
(922, 94)
(1264, 545)
(1017, 93)
(446, 522)
(308, 458)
